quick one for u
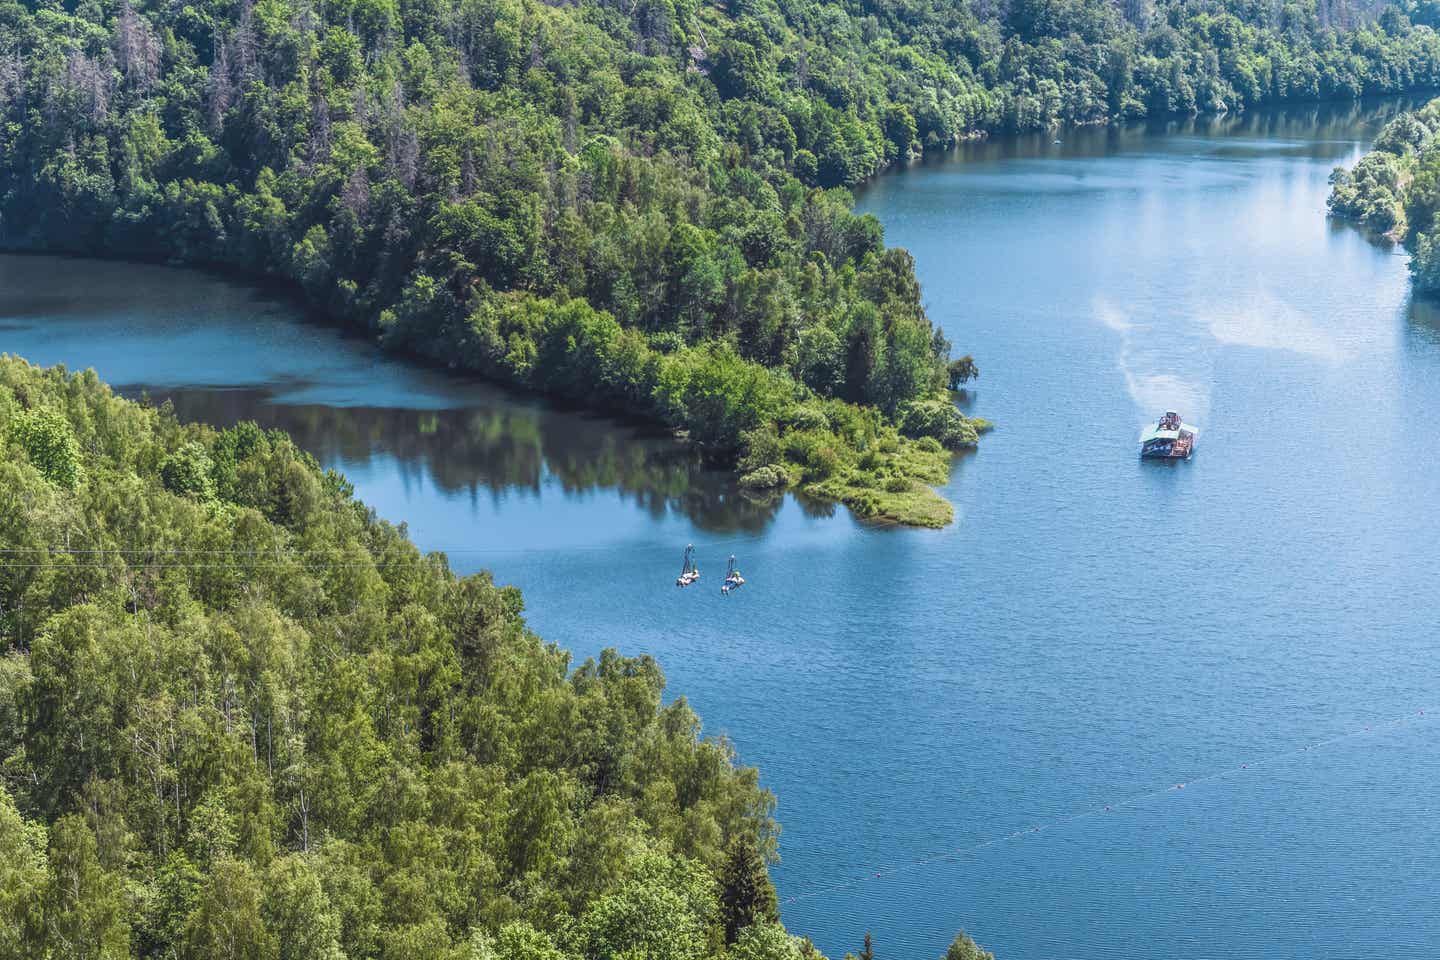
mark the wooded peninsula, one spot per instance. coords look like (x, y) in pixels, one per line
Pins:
(242, 717)
(1394, 191)
(639, 206)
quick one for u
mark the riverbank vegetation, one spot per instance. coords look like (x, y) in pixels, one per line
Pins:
(1394, 191)
(240, 716)
(639, 206)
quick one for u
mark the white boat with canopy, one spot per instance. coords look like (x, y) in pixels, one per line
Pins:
(1171, 438)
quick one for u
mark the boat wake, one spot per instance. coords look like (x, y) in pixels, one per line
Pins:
(1265, 321)
(1164, 368)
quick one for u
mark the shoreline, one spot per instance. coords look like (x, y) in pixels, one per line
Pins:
(915, 505)
(912, 506)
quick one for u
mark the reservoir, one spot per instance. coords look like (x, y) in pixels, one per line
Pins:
(1092, 632)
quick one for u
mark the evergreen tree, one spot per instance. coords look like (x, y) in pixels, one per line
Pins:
(963, 948)
(746, 894)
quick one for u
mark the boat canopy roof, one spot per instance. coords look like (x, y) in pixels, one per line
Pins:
(1153, 432)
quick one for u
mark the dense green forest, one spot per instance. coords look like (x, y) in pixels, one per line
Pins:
(241, 717)
(638, 205)
(1394, 191)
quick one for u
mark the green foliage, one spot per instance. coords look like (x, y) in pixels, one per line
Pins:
(84, 902)
(640, 206)
(937, 419)
(520, 941)
(962, 371)
(188, 472)
(963, 948)
(746, 895)
(665, 913)
(23, 871)
(766, 941)
(1395, 190)
(1371, 193)
(297, 911)
(326, 744)
(764, 478)
(225, 919)
(49, 443)
(1425, 264)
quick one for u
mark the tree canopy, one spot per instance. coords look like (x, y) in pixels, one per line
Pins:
(1394, 191)
(639, 206)
(241, 716)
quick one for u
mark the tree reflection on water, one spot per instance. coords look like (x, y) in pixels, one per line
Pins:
(502, 444)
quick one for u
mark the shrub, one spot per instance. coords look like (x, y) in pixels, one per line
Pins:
(822, 462)
(798, 444)
(808, 417)
(762, 449)
(865, 505)
(765, 478)
(938, 420)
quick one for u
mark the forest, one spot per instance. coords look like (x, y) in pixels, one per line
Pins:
(636, 206)
(1394, 191)
(242, 717)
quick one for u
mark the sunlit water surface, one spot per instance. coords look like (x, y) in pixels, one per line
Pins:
(1092, 630)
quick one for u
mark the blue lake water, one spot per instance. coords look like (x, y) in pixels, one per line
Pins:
(1092, 631)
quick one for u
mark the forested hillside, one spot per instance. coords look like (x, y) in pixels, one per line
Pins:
(1394, 190)
(637, 205)
(241, 717)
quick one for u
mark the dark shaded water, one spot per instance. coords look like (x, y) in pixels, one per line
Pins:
(1091, 631)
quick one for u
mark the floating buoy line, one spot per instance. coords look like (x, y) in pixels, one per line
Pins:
(959, 853)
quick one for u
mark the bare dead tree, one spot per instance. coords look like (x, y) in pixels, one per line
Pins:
(467, 173)
(220, 88)
(361, 108)
(137, 49)
(245, 44)
(12, 80)
(356, 193)
(87, 82)
(319, 145)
